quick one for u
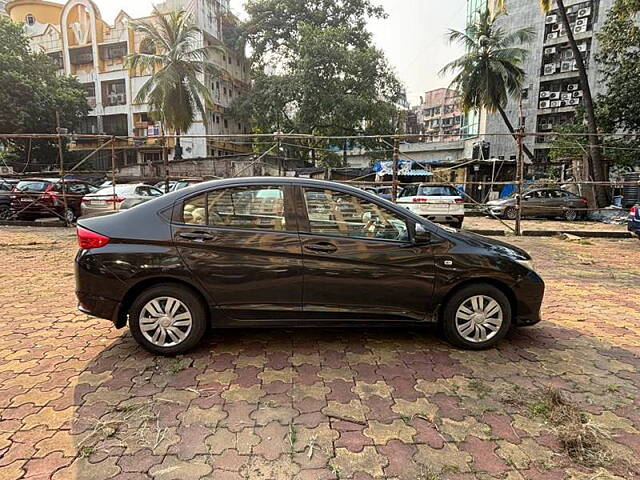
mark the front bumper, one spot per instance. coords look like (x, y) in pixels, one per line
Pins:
(529, 293)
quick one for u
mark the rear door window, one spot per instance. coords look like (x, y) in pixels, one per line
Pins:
(253, 207)
(438, 191)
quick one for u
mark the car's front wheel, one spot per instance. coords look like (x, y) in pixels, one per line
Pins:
(168, 319)
(510, 213)
(476, 317)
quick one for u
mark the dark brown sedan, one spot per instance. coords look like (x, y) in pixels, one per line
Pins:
(295, 252)
(542, 202)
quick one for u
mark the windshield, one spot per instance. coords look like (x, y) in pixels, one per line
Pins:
(32, 186)
(438, 191)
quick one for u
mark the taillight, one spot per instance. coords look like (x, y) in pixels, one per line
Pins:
(633, 211)
(584, 199)
(115, 200)
(459, 200)
(420, 200)
(88, 239)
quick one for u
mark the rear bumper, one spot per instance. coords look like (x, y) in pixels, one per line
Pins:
(634, 226)
(100, 307)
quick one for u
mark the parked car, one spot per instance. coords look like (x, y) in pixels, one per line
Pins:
(180, 184)
(124, 197)
(436, 202)
(43, 197)
(542, 202)
(634, 220)
(6, 186)
(385, 192)
(295, 252)
(162, 186)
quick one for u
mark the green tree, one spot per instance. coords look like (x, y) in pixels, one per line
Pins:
(31, 92)
(173, 51)
(619, 64)
(490, 71)
(595, 153)
(315, 71)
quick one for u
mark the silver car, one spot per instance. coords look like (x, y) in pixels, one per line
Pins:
(123, 197)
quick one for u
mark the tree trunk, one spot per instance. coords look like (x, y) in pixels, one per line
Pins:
(507, 122)
(595, 151)
(178, 148)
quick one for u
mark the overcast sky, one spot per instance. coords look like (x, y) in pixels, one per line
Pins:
(413, 37)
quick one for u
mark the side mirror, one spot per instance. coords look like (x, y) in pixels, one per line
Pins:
(422, 235)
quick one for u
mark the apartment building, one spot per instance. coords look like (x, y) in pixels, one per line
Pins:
(552, 90)
(438, 116)
(83, 44)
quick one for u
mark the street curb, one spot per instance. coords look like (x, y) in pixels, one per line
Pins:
(553, 233)
(25, 223)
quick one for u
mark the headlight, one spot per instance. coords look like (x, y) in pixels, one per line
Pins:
(528, 264)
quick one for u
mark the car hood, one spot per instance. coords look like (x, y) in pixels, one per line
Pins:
(495, 247)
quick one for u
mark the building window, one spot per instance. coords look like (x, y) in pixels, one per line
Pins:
(30, 20)
(226, 123)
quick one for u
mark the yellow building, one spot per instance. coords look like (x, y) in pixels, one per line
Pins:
(83, 44)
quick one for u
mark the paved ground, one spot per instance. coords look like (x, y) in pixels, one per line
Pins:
(489, 223)
(79, 400)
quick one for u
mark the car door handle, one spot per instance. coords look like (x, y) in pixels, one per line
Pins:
(322, 247)
(196, 236)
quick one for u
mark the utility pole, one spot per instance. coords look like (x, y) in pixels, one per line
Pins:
(520, 172)
(113, 170)
(396, 162)
(62, 173)
(165, 163)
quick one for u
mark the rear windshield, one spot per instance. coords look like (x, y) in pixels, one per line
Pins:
(438, 191)
(120, 190)
(32, 186)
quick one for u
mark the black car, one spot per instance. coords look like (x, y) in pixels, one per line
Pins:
(6, 186)
(634, 220)
(295, 252)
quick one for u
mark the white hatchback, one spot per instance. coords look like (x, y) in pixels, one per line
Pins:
(436, 202)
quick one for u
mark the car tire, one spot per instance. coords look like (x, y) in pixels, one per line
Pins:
(5, 212)
(178, 328)
(510, 213)
(571, 215)
(69, 215)
(457, 225)
(464, 329)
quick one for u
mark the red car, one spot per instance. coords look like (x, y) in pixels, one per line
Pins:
(41, 198)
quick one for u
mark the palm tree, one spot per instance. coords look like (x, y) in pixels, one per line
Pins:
(595, 156)
(170, 50)
(490, 71)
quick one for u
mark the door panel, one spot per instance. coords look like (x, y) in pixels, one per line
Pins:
(359, 262)
(250, 273)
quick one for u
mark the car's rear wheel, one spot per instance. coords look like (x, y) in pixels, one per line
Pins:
(570, 214)
(5, 212)
(510, 213)
(168, 319)
(477, 317)
(69, 215)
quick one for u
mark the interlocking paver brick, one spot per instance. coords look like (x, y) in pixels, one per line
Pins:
(80, 400)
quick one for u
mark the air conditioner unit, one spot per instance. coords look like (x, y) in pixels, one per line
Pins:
(545, 94)
(545, 104)
(555, 27)
(565, 96)
(554, 96)
(570, 10)
(582, 47)
(555, 104)
(550, 50)
(574, 65)
(551, 19)
(582, 29)
(584, 12)
(582, 22)
(552, 35)
(550, 69)
(577, 94)
(567, 54)
(565, 66)
(546, 126)
(574, 101)
(572, 87)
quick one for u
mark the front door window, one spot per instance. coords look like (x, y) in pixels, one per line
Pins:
(341, 214)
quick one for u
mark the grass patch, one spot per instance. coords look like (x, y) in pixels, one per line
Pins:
(580, 439)
(481, 388)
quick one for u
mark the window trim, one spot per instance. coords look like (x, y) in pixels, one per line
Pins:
(305, 223)
(291, 220)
